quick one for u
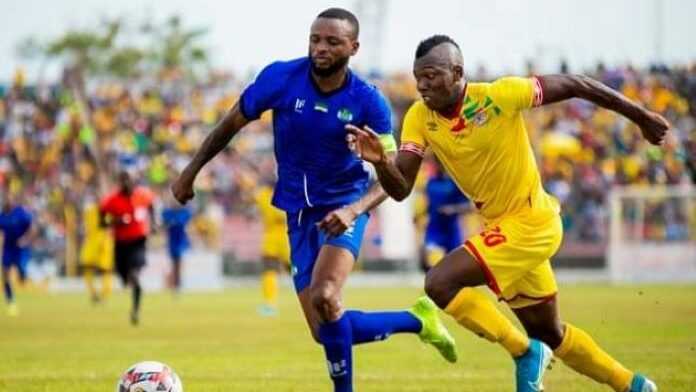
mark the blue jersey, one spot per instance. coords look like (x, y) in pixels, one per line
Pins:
(14, 224)
(315, 166)
(442, 191)
(175, 220)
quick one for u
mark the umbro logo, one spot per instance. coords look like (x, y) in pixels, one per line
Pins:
(299, 105)
(432, 126)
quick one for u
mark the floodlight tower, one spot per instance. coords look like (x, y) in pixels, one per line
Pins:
(373, 16)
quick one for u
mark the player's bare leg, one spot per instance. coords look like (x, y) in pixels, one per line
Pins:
(321, 301)
(577, 349)
(451, 284)
(134, 283)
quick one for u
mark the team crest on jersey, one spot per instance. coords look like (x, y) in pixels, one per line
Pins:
(480, 118)
(345, 115)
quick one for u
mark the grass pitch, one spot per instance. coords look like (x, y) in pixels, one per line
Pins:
(217, 342)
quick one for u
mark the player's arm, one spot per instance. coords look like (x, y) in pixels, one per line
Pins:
(216, 141)
(557, 88)
(397, 175)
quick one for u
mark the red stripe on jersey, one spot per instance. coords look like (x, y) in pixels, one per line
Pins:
(414, 148)
(538, 92)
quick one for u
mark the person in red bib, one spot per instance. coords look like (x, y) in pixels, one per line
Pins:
(129, 211)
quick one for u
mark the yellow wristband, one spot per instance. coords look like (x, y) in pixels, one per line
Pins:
(388, 142)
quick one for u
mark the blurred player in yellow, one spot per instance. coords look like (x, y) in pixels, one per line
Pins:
(275, 248)
(478, 132)
(97, 253)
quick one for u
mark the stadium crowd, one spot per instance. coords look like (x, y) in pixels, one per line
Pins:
(54, 152)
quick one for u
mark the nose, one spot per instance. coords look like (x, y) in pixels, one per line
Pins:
(422, 85)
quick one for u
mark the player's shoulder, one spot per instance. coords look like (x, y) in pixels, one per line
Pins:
(417, 110)
(284, 68)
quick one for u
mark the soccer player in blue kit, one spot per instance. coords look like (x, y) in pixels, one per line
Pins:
(16, 226)
(175, 219)
(323, 186)
(445, 204)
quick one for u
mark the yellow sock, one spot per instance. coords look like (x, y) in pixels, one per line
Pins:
(107, 284)
(269, 287)
(477, 313)
(89, 281)
(581, 353)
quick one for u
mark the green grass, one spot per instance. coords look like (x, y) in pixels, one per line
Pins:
(217, 342)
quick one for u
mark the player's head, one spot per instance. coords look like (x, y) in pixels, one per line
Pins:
(439, 72)
(125, 182)
(333, 39)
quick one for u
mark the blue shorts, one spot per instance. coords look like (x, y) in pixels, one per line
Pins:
(176, 251)
(18, 257)
(445, 237)
(306, 240)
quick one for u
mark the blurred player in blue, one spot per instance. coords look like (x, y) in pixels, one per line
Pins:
(323, 186)
(175, 219)
(16, 227)
(445, 204)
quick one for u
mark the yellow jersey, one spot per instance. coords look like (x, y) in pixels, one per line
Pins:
(485, 149)
(272, 218)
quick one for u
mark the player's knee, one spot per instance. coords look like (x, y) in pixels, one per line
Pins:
(325, 302)
(439, 288)
(551, 334)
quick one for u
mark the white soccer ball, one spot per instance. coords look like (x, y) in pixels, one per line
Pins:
(149, 376)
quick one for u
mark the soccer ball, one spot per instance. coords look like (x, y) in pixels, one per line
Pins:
(149, 376)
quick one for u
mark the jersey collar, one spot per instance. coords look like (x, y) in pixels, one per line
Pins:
(346, 82)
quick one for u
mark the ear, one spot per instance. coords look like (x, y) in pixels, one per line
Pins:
(355, 45)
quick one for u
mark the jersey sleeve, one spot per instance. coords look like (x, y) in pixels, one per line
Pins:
(513, 94)
(263, 93)
(412, 138)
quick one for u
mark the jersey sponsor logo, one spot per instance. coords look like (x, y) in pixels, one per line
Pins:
(321, 107)
(299, 105)
(344, 115)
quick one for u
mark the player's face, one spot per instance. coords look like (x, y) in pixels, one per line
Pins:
(439, 82)
(331, 44)
(125, 182)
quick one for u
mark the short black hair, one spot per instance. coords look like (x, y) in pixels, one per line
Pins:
(342, 14)
(425, 46)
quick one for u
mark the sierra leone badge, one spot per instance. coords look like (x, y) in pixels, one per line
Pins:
(344, 115)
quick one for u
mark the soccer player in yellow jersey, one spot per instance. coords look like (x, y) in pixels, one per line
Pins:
(478, 133)
(97, 253)
(275, 248)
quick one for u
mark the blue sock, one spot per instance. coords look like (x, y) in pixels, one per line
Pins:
(8, 292)
(374, 326)
(337, 339)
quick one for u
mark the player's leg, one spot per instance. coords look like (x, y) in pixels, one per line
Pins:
(88, 274)
(269, 286)
(7, 286)
(577, 349)
(134, 283)
(176, 258)
(451, 284)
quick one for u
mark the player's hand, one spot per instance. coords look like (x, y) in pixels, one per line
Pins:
(182, 188)
(365, 144)
(654, 128)
(338, 221)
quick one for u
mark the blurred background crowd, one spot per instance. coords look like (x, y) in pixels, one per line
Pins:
(61, 141)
